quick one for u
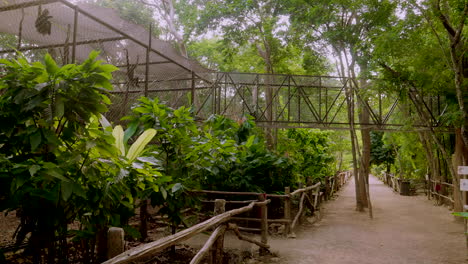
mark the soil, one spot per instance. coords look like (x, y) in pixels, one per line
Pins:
(405, 229)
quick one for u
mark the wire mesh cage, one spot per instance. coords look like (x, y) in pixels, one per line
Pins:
(148, 66)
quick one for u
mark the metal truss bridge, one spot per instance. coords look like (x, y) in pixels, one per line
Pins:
(294, 101)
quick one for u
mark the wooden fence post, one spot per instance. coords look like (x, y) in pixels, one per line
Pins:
(216, 256)
(287, 209)
(144, 220)
(115, 242)
(264, 223)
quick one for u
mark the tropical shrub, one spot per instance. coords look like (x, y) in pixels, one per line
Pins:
(57, 163)
(47, 109)
(310, 151)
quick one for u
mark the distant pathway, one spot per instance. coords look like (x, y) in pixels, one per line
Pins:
(405, 230)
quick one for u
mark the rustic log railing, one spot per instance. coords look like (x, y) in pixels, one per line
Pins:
(434, 192)
(431, 189)
(392, 181)
(218, 221)
(310, 196)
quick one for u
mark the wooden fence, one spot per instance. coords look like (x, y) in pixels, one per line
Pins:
(441, 191)
(309, 196)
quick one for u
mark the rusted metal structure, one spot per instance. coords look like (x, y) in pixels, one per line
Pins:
(69, 30)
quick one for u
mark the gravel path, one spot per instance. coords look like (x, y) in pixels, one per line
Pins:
(404, 230)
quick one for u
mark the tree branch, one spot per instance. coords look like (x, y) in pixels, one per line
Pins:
(443, 18)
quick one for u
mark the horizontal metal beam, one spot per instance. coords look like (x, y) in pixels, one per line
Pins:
(26, 4)
(283, 74)
(85, 42)
(144, 64)
(253, 83)
(346, 126)
(159, 90)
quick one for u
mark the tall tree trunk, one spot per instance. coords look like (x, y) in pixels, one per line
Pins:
(429, 151)
(266, 55)
(460, 158)
(354, 148)
(364, 169)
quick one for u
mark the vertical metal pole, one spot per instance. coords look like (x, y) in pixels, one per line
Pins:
(75, 30)
(298, 105)
(225, 95)
(380, 107)
(326, 105)
(320, 99)
(256, 96)
(148, 51)
(193, 92)
(243, 102)
(213, 95)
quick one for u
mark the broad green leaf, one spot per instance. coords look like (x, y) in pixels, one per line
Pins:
(176, 187)
(51, 66)
(151, 160)
(462, 214)
(163, 192)
(118, 134)
(66, 190)
(33, 169)
(250, 141)
(104, 122)
(137, 148)
(130, 131)
(59, 107)
(35, 139)
(56, 174)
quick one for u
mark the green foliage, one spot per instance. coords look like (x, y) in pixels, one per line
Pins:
(410, 161)
(381, 153)
(222, 154)
(462, 214)
(44, 148)
(310, 151)
(58, 164)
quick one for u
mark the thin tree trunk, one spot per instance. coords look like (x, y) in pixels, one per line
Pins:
(352, 132)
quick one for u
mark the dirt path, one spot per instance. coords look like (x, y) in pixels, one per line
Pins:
(404, 230)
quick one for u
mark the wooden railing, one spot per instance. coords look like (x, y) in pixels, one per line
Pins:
(444, 191)
(438, 193)
(157, 246)
(223, 221)
(312, 193)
